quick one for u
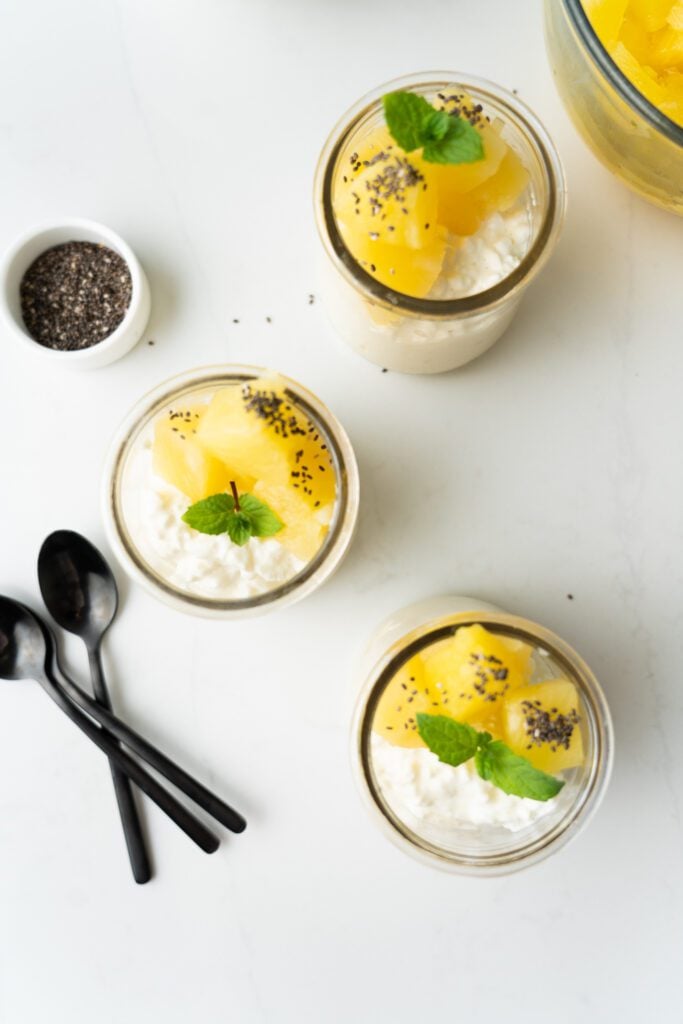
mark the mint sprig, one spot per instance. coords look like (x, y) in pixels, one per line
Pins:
(444, 138)
(456, 742)
(241, 516)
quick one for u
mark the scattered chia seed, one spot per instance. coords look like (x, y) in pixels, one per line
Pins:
(311, 300)
(75, 295)
(548, 726)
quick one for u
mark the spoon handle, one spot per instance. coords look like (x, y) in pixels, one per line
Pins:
(202, 796)
(128, 812)
(190, 825)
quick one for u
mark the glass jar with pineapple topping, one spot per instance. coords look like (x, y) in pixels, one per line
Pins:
(438, 199)
(230, 490)
(482, 743)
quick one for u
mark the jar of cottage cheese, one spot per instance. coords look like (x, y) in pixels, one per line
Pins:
(451, 298)
(463, 659)
(212, 433)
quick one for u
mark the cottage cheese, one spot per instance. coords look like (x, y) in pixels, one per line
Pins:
(208, 566)
(414, 781)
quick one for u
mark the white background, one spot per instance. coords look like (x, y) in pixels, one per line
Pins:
(550, 467)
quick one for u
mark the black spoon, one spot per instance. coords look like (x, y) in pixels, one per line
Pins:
(27, 651)
(81, 550)
(80, 593)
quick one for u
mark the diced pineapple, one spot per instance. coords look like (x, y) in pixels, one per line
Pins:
(303, 531)
(606, 17)
(645, 40)
(396, 715)
(542, 723)
(474, 669)
(181, 460)
(652, 14)
(241, 440)
(465, 215)
(454, 180)
(386, 206)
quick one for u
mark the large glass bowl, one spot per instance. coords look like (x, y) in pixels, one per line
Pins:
(626, 132)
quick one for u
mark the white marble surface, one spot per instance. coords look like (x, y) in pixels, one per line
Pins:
(550, 467)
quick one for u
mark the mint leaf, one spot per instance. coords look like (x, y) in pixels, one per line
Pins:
(496, 763)
(460, 144)
(435, 127)
(239, 528)
(406, 114)
(241, 516)
(444, 138)
(452, 742)
(264, 522)
(210, 515)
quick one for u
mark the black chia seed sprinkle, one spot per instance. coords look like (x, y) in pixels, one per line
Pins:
(75, 295)
(548, 726)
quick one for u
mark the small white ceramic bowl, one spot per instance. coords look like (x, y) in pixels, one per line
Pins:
(26, 249)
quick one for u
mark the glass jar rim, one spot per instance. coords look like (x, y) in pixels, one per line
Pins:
(590, 793)
(535, 133)
(320, 567)
(616, 77)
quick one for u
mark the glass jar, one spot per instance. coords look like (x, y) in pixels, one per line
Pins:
(123, 479)
(434, 335)
(626, 132)
(486, 849)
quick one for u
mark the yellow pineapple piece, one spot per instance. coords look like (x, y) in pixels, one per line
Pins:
(303, 531)
(496, 195)
(607, 18)
(457, 179)
(542, 723)
(667, 49)
(652, 14)
(181, 460)
(645, 40)
(675, 18)
(475, 669)
(241, 440)
(396, 715)
(386, 204)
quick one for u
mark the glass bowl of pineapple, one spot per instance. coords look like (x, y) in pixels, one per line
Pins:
(481, 742)
(230, 491)
(618, 66)
(423, 263)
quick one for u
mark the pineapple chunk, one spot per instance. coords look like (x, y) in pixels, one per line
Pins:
(541, 723)
(606, 17)
(181, 460)
(404, 696)
(241, 440)
(386, 206)
(474, 669)
(652, 14)
(303, 531)
(645, 40)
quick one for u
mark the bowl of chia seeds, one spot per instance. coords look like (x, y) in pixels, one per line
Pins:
(74, 291)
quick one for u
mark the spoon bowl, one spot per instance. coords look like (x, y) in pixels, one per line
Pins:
(26, 648)
(77, 585)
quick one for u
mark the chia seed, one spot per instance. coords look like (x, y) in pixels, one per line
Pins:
(75, 295)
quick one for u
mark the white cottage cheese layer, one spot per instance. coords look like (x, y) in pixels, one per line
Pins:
(413, 780)
(208, 566)
(482, 260)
